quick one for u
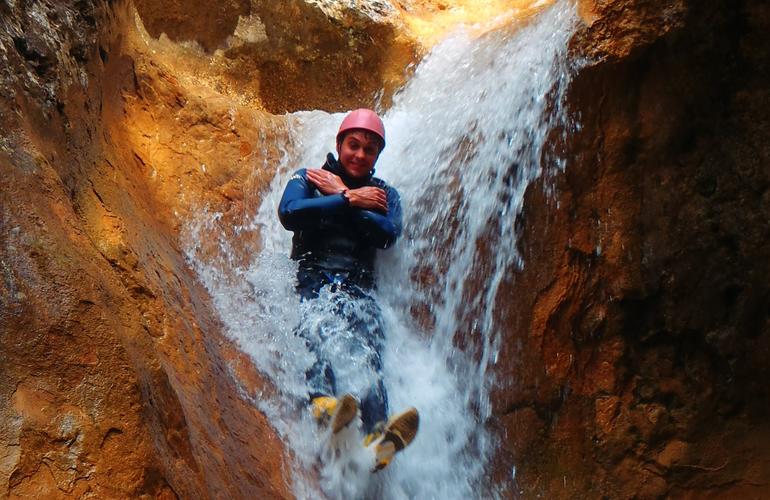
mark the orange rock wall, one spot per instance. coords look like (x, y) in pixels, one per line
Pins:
(295, 55)
(115, 373)
(636, 340)
(638, 331)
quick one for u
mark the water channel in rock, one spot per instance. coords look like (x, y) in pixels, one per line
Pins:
(466, 136)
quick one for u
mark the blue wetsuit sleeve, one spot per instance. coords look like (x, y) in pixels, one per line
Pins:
(300, 209)
(382, 230)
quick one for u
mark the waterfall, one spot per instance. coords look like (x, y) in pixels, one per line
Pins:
(466, 136)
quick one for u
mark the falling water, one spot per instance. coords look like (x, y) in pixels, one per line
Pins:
(465, 139)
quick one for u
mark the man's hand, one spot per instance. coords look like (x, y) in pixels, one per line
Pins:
(369, 198)
(325, 181)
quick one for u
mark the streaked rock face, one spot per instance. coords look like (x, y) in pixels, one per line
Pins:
(638, 333)
(636, 357)
(115, 378)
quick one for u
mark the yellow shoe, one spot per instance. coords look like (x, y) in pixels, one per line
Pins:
(322, 408)
(339, 411)
(399, 432)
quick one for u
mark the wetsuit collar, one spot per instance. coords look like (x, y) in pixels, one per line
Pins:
(334, 166)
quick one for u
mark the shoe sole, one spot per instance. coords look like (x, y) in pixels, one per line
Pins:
(399, 432)
(346, 412)
(402, 429)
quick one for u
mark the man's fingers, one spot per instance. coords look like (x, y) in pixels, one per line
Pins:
(318, 173)
(379, 193)
(370, 198)
(380, 199)
(326, 182)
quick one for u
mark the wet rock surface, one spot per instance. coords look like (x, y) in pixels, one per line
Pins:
(295, 55)
(639, 332)
(115, 375)
(636, 348)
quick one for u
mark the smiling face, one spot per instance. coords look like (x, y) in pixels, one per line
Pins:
(358, 152)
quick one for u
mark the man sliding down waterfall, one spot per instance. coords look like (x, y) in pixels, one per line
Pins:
(340, 215)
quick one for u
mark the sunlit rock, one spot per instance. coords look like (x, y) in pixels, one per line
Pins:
(634, 334)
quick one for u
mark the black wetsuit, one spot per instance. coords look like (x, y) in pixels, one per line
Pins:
(335, 245)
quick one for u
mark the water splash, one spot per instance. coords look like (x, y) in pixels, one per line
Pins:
(466, 137)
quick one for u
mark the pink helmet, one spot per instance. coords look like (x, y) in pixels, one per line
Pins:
(363, 119)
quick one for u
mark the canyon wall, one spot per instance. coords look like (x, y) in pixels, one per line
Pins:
(639, 330)
(116, 381)
(636, 335)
